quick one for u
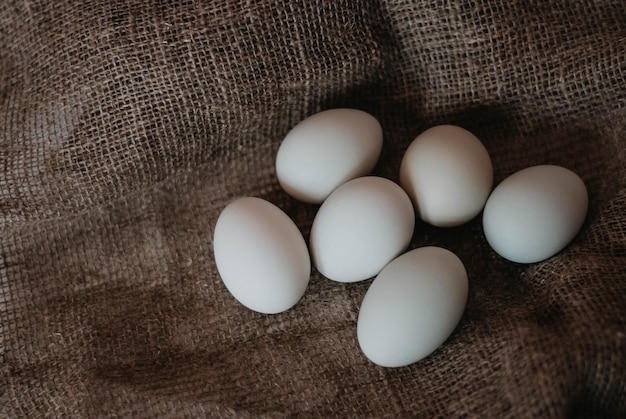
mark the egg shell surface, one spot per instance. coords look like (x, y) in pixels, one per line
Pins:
(448, 174)
(412, 306)
(261, 255)
(361, 227)
(326, 150)
(534, 213)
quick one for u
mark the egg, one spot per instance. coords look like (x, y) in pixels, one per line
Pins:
(261, 255)
(326, 150)
(359, 228)
(534, 213)
(412, 307)
(448, 174)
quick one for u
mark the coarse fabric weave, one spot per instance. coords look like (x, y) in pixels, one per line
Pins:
(127, 126)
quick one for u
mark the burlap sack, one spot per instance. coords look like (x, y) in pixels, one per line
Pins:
(126, 126)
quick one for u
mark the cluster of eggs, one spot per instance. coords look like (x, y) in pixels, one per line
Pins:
(365, 224)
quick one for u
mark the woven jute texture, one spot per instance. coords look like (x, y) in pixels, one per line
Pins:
(127, 126)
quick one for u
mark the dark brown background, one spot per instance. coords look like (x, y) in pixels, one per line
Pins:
(125, 128)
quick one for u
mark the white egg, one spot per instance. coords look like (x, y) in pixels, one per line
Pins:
(534, 213)
(448, 174)
(412, 306)
(261, 255)
(326, 150)
(363, 225)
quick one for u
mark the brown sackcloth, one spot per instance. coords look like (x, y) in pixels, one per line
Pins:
(127, 126)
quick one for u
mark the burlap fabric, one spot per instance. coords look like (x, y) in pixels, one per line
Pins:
(126, 127)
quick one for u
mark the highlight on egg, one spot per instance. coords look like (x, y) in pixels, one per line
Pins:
(412, 306)
(326, 150)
